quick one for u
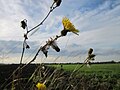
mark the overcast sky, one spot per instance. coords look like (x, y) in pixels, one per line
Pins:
(97, 20)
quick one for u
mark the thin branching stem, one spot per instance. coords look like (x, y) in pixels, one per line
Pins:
(22, 51)
(28, 31)
(51, 9)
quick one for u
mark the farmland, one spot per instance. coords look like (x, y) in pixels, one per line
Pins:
(94, 68)
(69, 76)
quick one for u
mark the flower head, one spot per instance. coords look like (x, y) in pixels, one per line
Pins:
(90, 57)
(68, 27)
(90, 54)
(90, 51)
(54, 45)
(45, 48)
(27, 46)
(41, 86)
(24, 23)
(58, 2)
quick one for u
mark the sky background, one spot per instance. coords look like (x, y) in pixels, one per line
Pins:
(97, 20)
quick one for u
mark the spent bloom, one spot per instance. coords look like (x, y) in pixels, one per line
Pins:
(53, 44)
(58, 2)
(90, 57)
(41, 86)
(90, 51)
(68, 27)
(50, 43)
(45, 48)
(24, 23)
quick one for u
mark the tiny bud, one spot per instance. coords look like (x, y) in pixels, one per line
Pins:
(58, 2)
(44, 49)
(23, 24)
(25, 36)
(27, 46)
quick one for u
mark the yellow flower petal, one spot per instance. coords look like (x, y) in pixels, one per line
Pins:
(41, 86)
(69, 26)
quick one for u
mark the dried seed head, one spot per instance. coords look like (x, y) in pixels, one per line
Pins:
(25, 36)
(92, 55)
(44, 49)
(90, 51)
(24, 23)
(53, 44)
(27, 46)
(58, 2)
(56, 48)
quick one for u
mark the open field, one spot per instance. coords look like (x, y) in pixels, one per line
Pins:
(97, 77)
(94, 68)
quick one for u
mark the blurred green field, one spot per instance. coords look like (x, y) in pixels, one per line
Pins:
(97, 77)
(94, 68)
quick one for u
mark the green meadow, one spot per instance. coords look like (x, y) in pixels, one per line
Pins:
(93, 69)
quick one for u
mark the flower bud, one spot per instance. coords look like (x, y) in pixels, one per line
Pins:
(24, 23)
(58, 2)
(90, 51)
(27, 46)
(41, 86)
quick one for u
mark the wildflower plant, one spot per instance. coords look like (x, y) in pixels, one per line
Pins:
(55, 4)
(68, 27)
(90, 57)
(49, 77)
(41, 86)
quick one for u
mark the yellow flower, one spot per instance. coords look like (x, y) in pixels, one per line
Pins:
(68, 26)
(41, 86)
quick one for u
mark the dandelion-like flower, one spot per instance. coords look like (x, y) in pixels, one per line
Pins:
(68, 27)
(41, 86)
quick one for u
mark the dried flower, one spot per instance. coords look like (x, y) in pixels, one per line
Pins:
(27, 46)
(41, 86)
(58, 2)
(25, 36)
(68, 27)
(45, 48)
(90, 57)
(24, 23)
(53, 44)
(90, 51)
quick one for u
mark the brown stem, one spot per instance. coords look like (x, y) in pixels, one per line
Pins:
(51, 9)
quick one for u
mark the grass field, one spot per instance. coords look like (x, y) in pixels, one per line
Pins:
(94, 68)
(106, 76)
